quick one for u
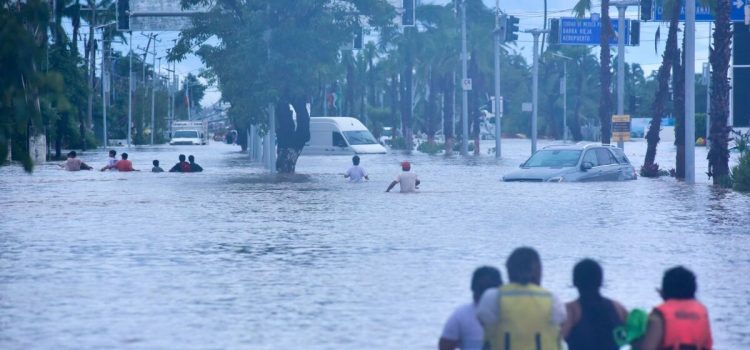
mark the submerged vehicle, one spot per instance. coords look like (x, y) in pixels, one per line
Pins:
(575, 163)
(340, 136)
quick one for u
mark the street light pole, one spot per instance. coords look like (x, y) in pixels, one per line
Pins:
(564, 88)
(498, 101)
(690, 92)
(535, 85)
(621, 7)
(464, 69)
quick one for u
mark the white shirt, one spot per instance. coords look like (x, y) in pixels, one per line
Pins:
(356, 173)
(488, 308)
(407, 181)
(464, 327)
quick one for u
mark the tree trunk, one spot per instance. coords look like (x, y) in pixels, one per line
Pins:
(448, 93)
(574, 122)
(650, 168)
(349, 98)
(718, 154)
(406, 104)
(291, 137)
(605, 75)
(394, 102)
(431, 119)
(678, 89)
(76, 26)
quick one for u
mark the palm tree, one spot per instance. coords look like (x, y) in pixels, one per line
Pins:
(718, 135)
(605, 68)
(671, 53)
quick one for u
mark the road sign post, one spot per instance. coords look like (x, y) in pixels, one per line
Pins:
(621, 127)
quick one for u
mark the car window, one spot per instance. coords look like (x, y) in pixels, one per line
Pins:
(338, 140)
(605, 157)
(621, 157)
(553, 159)
(590, 157)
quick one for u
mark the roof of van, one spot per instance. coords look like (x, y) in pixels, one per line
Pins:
(344, 123)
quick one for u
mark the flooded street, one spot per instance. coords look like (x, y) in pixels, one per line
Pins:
(234, 258)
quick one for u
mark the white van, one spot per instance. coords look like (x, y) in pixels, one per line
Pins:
(340, 136)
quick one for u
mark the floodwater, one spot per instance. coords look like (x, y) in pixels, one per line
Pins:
(233, 258)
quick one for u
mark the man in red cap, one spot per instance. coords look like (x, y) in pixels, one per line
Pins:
(409, 181)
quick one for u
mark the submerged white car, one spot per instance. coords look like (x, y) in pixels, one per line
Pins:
(574, 163)
(339, 136)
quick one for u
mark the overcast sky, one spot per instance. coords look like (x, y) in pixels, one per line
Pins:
(530, 14)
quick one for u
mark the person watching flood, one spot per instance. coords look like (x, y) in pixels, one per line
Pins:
(463, 330)
(681, 322)
(592, 317)
(521, 314)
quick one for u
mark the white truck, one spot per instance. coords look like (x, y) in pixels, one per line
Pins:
(189, 133)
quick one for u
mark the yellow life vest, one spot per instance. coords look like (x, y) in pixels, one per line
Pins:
(525, 320)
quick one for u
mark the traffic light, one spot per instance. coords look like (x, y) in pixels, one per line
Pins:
(408, 18)
(502, 28)
(635, 33)
(646, 9)
(511, 29)
(554, 31)
(123, 15)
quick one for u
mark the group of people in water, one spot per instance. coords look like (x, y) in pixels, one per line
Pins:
(407, 180)
(522, 315)
(72, 163)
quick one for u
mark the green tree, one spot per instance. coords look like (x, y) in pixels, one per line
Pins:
(271, 51)
(718, 154)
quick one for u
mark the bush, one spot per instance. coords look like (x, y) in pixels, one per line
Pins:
(398, 142)
(434, 148)
(653, 171)
(457, 146)
(740, 175)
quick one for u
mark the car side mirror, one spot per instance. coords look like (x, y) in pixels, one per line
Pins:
(586, 166)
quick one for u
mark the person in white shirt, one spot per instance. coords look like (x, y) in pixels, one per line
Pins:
(356, 173)
(463, 330)
(111, 161)
(408, 181)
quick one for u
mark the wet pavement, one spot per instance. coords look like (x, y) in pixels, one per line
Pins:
(235, 258)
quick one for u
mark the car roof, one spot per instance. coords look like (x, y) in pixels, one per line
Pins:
(578, 146)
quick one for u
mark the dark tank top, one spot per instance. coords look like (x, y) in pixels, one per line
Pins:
(594, 330)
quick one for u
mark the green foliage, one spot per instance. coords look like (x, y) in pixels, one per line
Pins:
(741, 174)
(263, 51)
(431, 148)
(741, 141)
(398, 143)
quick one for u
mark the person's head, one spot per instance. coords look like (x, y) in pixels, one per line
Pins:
(678, 283)
(355, 160)
(484, 277)
(587, 277)
(524, 266)
(191, 159)
(405, 166)
(112, 153)
(181, 157)
(155, 162)
(72, 154)
(124, 156)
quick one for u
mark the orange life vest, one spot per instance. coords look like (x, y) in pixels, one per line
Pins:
(686, 325)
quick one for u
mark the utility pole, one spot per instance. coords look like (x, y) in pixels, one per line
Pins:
(690, 92)
(498, 99)
(130, 90)
(535, 86)
(564, 91)
(464, 73)
(92, 66)
(153, 97)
